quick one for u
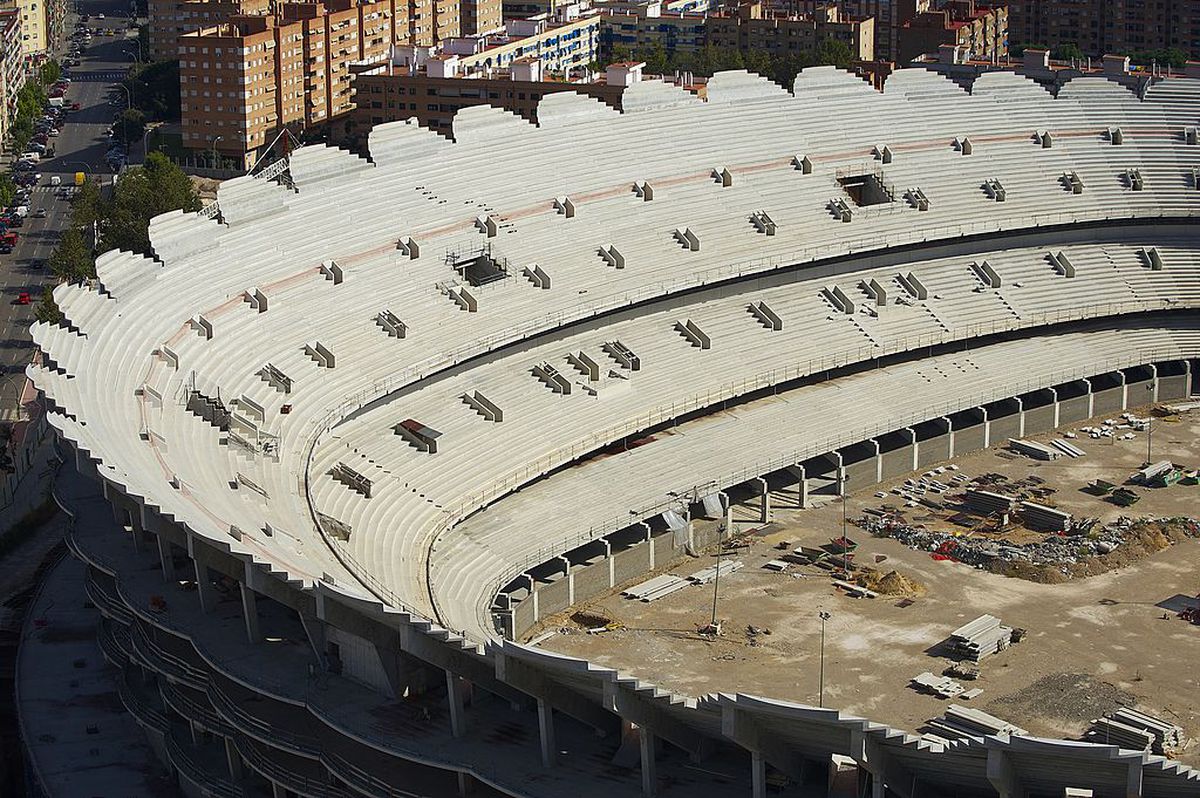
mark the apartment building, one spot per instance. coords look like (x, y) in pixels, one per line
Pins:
(169, 19)
(1098, 27)
(12, 67)
(753, 27)
(980, 31)
(41, 22)
(244, 80)
(480, 16)
(568, 42)
(398, 91)
(749, 26)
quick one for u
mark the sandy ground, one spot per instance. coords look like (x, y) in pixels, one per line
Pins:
(1092, 643)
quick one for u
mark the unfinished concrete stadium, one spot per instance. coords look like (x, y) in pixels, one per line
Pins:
(359, 427)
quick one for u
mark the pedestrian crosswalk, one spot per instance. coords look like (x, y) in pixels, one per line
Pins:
(104, 76)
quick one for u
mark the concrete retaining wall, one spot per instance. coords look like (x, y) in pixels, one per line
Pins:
(1173, 388)
(631, 562)
(897, 462)
(1107, 402)
(591, 580)
(553, 597)
(1005, 427)
(968, 439)
(1137, 395)
(861, 473)
(1072, 410)
(933, 450)
(1039, 419)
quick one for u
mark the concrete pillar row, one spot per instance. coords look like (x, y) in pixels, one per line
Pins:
(250, 613)
(546, 733)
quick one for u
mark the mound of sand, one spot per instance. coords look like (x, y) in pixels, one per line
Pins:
(892, 583)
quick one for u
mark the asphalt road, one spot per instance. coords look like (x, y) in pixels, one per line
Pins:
(79, 148)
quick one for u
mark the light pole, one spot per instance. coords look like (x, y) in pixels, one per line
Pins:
(845, 540)
(6, 381)
(214, 150)
(1150, 423)
(824, 616)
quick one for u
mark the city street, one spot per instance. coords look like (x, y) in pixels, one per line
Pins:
(79, 148)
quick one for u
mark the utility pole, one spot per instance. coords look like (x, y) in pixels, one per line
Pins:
(824, 616)
(845, 540)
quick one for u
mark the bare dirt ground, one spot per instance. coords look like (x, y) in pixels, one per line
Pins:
(1092, 643)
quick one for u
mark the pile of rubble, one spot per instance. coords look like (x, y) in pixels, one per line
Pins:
(1087, 539)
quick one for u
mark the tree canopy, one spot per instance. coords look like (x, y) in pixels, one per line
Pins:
(708, 60)
(155, 89)
(143, 192)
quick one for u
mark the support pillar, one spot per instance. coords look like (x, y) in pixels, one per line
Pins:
(278, 790)
(533, 596)
(1153, 383)
(802, 488)
(726, 511)
(647, 743)
(765, 500)
(987, 428)
(208, 595)
(168, 561)
(1001, 774)
(1133, 784)
(650, 542)
(455, 696)
(912, 441)
(612, 564)
(878, 460)
(1091, 396)
(1020, 417)
(1187, 378)
(570, 577)
(1124, 390)
(546, 733)
(234, 759)
(466, 784)
(1057, 408)
(758, 775)
(840, 471)
(949, 435)
(250, 613)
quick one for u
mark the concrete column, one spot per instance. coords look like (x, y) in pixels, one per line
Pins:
(727, 511)
(912, 438)
(278, 790)
(841, 472)
(570, 577)
(533, 596)
(1001, 774)
(250, 612)
(195, 732)
(455, 696)
(466, 784)
(1153, 384)
(1124, 390)
(1133, 784)
(647, 744)
(802, 488)
(650, 543)
(546, 733)
(1057, 409)
(950, 434)
(766, 499)
(208, 594)
(878, 459)
(612, 569)
(1020, 417)
(1187, 371)
(164, 556)
(758, 775)
(691, 530)
(234, 759)
(987, 428)
(1091, 395)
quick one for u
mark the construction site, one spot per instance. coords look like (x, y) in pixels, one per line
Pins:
(1045, 587)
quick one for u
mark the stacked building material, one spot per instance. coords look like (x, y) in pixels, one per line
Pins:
(1034, 449)
(706, 575)
(941, 686)
(1067, 448)
(980, 638)
(656, 588)
(984, 502)
(1148, 474)
(961, 722)
(1129, 728)
(1039, 516)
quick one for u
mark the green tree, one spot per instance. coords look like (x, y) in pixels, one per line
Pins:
(143, 192)
(87, 206)
(72, 259)
(155, 89)
(8, 189)
(48, 310)
(1067, 52)
(50, 72)
(836, 52)
(132, 125)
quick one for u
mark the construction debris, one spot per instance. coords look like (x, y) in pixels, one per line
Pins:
(980, 638)
(961, 723)
(1138, 731)
(1044, 519)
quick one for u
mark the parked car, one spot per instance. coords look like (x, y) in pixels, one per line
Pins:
(5, 249)
(23, 298)
(40, 213)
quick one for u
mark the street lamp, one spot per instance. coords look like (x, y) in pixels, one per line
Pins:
(824, 616)
(214, 150)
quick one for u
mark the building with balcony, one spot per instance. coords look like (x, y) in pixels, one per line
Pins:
(169, 19)
(980, 31)
(12, 67)
(41, 23)
(1099, 27)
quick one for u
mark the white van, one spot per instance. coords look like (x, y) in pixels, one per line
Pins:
(31, 156)
(55, 180)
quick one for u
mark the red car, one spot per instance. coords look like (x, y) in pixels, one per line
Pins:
(23, 298)
(9, 238)
(74, 106)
